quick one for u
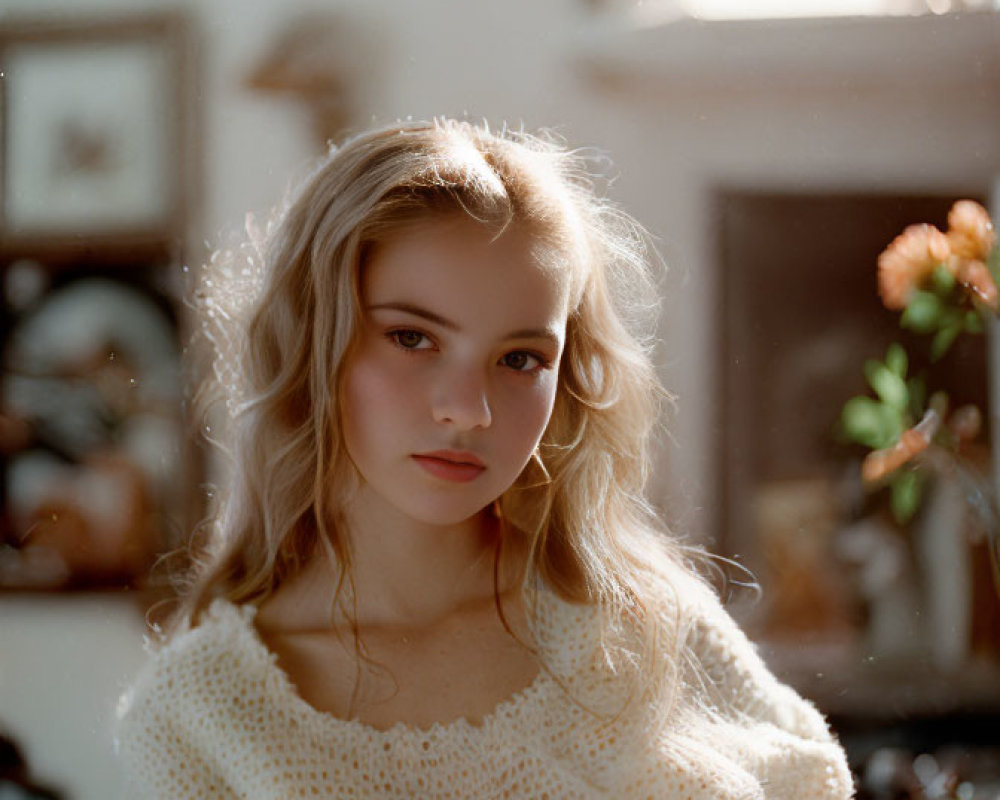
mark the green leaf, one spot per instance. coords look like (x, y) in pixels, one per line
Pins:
(905, 495)
(895, 359)
(951, 316)
(868, 422)
(943, 340)
(973, 322)
(918, 396)
(922, 313)
(890, 388)
(993, 263)
(943, 281)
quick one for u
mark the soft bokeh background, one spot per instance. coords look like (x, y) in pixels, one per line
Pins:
(773, 148)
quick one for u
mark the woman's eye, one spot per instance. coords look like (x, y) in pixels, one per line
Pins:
(410, 340)
(521, 361)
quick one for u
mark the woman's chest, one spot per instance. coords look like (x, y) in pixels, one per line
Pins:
(388, 675)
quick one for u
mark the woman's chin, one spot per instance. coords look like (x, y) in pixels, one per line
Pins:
(447, 517)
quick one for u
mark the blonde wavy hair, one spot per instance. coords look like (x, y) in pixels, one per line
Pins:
(592, 536)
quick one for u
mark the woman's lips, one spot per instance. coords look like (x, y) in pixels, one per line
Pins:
(451, 465)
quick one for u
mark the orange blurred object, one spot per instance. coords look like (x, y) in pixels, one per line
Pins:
(970, 231)
(977, 278)
(911, 258)
(908, 262)
(880, 463)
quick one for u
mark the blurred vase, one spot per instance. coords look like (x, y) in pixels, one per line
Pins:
(941, 547)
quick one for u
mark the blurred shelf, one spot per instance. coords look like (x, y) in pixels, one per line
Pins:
(844, 681)
(855, 53)
(60, 252)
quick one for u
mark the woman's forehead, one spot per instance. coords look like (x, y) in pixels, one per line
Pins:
(466, 269)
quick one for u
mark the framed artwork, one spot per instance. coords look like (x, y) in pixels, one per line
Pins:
(96, 476)
(92, 129)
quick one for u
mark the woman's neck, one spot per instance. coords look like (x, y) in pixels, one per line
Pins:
(411, 573)
(404, 575)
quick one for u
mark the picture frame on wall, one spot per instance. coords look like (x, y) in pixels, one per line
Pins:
(98, 172)
(90, 148)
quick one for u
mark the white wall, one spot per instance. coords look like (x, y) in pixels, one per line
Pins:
(64, 661)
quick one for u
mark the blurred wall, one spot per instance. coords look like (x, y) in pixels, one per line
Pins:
(64, 660)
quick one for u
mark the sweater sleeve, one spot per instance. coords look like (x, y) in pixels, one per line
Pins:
(162, 746)
(777, 736)
(161, 761)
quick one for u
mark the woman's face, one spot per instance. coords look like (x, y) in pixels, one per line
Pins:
(453, 379)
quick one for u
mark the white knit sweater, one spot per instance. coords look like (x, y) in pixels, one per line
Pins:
(213, 716)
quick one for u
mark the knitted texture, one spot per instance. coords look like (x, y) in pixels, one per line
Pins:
(212, 715)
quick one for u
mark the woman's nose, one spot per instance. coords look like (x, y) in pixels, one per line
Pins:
(463, 400)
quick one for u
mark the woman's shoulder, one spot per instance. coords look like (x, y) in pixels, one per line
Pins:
(224, 630)
(182, 721)
(729, 714)
(198, 664)
(767, 727)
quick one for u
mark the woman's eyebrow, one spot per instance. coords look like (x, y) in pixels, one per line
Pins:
(437, 319)
(417, 311)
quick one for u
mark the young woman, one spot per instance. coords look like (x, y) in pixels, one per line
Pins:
(435, 574)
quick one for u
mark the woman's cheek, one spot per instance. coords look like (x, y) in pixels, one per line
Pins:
(372, 387)
(530, 410)
(385, 371)
(548, 385)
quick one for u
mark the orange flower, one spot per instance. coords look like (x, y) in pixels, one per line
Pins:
(913, 441)
(970, 238)
(880, 463)
(970, 232)
(909, 261)
(977, 278)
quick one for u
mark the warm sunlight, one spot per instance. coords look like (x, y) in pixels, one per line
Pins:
(741, 9)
